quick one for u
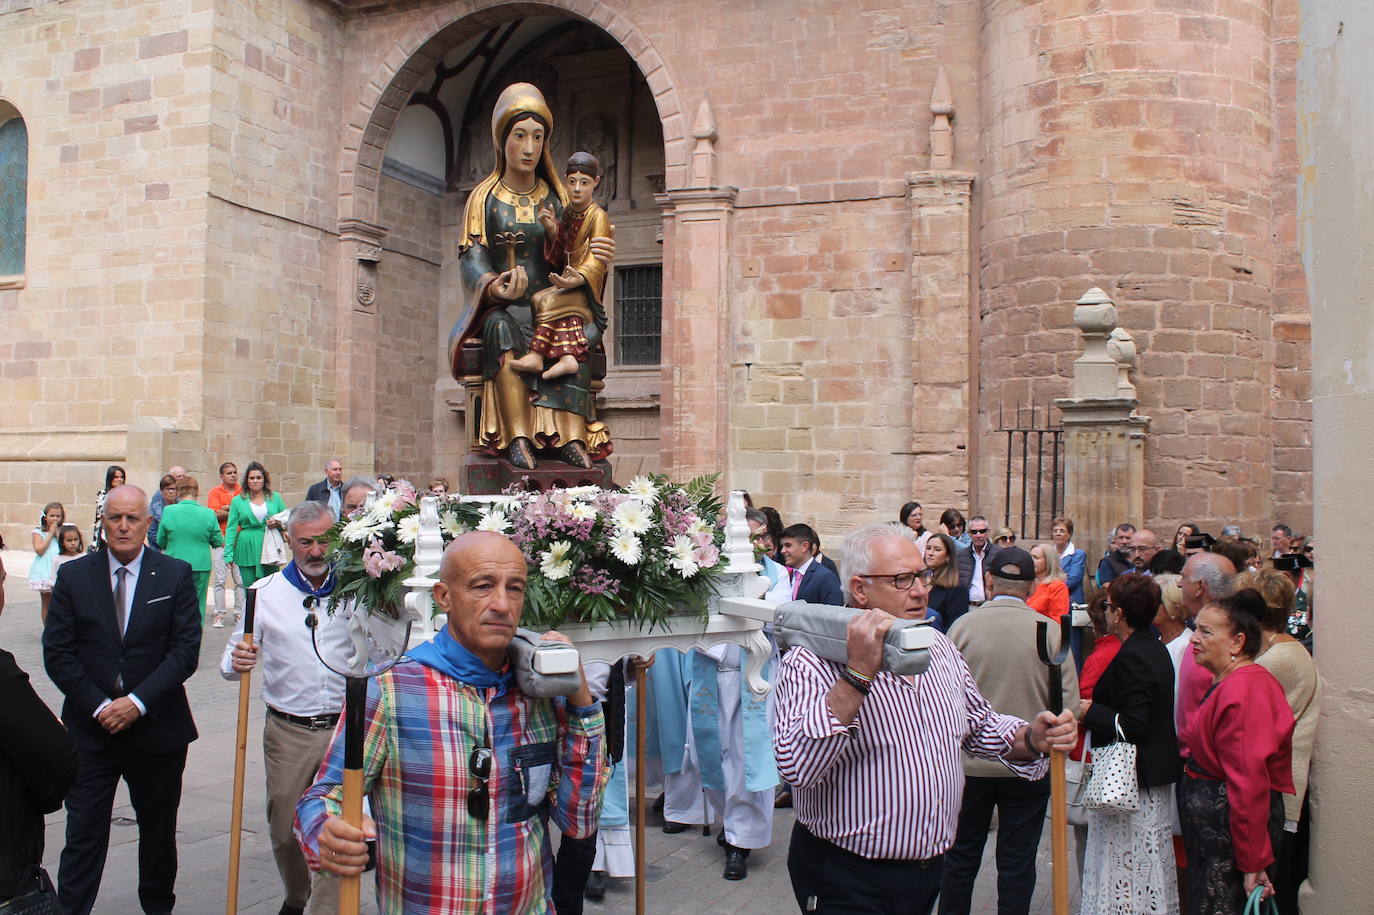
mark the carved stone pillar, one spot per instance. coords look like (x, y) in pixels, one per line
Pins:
(696, 327)
(942, 356)
(696, 311)
(1104, 439)
(360, 250)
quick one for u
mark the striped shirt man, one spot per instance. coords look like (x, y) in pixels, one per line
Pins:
(889, 785)
(432, 855)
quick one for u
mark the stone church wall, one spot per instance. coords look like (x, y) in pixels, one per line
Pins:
(194, 165)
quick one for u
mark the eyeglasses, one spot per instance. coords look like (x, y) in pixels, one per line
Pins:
(1006, 539)
(977, 530)
(902, 581)
(479, 801)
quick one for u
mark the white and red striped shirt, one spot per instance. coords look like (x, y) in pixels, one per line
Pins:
(890, 784)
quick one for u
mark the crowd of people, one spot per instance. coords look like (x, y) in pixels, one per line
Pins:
(1195, 653)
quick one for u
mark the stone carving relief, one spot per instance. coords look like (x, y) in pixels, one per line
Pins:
(364, 240)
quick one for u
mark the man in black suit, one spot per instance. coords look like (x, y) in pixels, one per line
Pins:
(122, 636)
(811, 581)
(329, 491)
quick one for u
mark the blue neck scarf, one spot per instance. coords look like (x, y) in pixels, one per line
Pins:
(446, 655)
(294, 576)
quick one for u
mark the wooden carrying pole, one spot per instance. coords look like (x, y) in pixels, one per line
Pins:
(641, 706)
(1059, 812)
(231, 905)
(355, 701)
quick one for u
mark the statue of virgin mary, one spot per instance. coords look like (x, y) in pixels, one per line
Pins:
(503, 263)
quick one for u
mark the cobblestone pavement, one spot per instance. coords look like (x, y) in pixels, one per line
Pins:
(683, 873)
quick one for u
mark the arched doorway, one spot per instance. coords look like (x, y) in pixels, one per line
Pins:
(425, 144)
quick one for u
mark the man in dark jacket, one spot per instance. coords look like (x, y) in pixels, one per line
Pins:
(1116, 562)
(329, 491)
(37, 766)
(123, 635)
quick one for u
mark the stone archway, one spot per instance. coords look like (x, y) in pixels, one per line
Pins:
(371, 118)
(412, 58)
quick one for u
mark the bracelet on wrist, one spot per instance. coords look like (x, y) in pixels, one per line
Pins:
(855, 681)
(864, 677)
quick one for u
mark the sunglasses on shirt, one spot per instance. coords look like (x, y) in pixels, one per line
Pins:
(479, 800)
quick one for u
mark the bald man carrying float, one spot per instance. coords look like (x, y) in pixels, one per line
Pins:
(463, 770)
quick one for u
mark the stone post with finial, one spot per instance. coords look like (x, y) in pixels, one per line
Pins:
(1104, 437)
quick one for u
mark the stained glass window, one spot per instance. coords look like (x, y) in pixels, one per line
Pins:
(14, 184)
(638, 314)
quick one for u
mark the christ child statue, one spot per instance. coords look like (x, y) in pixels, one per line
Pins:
(563, 311)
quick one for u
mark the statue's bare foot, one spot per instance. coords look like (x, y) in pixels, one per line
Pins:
(521, 454)
(564, 366)
(575, 453)
(530, 362)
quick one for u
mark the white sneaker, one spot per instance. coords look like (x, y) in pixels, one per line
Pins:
(219, 621)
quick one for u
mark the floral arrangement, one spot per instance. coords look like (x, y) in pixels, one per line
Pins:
(644, 552)
(374, 551)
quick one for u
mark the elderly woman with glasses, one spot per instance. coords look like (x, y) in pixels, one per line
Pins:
(1130, 857)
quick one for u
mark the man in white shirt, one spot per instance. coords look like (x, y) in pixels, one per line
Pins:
(972, 560)
(303, 696)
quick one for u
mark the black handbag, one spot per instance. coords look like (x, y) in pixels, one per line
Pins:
(41, 900)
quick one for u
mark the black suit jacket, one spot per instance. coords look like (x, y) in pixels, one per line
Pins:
(319, 492)
(85, 655)
(1139, 685)
(820, 586)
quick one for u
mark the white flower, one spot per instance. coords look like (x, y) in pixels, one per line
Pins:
(381, 507)
(582, 492)
(681, 556)
(632, 517)
(697, 526)
(451, 525)
(507, 505)
(554, 563)
(641, 487)
(625, 547)
(582, 511)
(364, 528)
(408, 529)
(493, 521)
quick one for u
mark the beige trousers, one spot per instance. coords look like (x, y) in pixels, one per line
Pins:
(291, 755)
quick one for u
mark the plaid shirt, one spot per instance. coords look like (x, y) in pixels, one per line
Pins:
(431, 855)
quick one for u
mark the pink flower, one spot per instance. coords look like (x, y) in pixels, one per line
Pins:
(707, 556)
(703, 539)
(378, 561)
(406, 495)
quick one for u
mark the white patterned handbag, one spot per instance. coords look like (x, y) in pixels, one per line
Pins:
(1113, 787)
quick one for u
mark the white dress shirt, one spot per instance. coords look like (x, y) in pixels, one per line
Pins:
(130, 587)
(293, 679)
(975, 583)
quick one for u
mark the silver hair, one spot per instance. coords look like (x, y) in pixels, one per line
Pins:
(308, 512)
(857, 558)
(357, 481)
(1208, 571)
(1231, 530)
(756, 516)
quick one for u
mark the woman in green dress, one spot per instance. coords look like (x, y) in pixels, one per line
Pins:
(503, 262)
(250, 514)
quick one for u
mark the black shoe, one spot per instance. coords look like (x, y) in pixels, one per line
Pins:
(596, 885)
(735, 866)
(658, 802)
(673, 829)
(521, 453)
(575, 453)
(290, 910)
